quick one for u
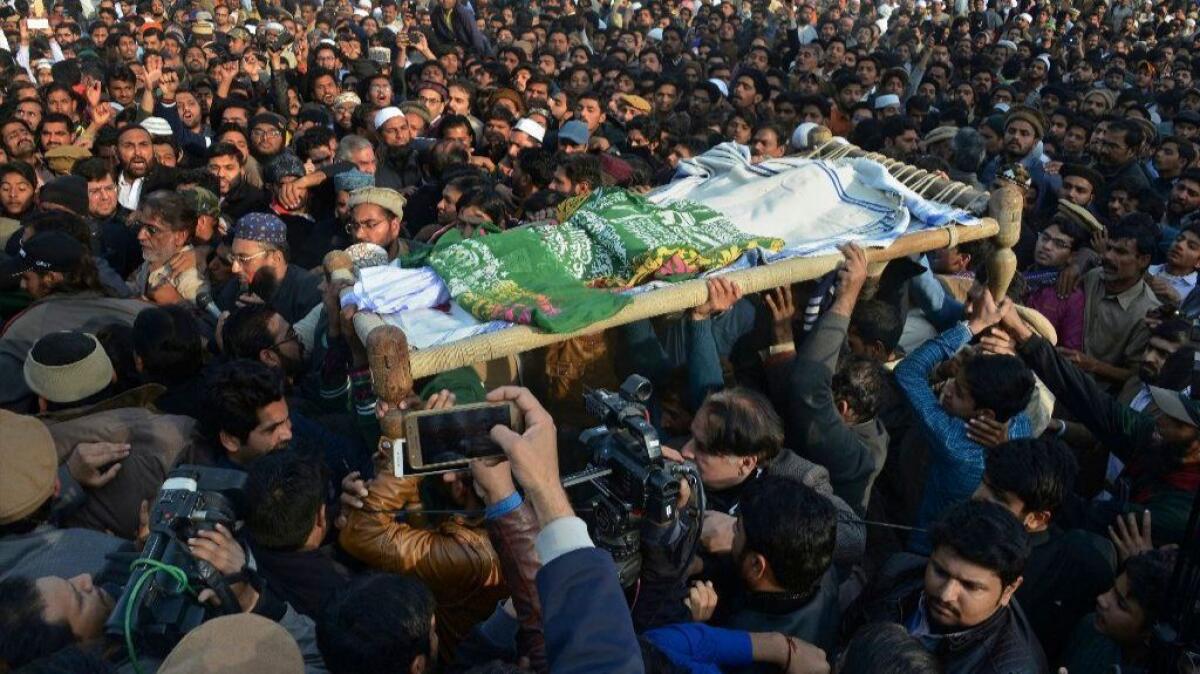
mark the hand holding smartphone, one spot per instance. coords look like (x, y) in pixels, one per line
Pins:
(437, 441)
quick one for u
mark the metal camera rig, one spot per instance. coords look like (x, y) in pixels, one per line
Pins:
(634, 483)
(159, 604)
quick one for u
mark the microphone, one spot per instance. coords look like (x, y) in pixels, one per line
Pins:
(205, 302)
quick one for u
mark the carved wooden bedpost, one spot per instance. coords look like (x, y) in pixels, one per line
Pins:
(1005, 206)
(387, 354)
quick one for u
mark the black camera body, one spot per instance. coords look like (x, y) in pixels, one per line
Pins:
(642, 485)
(160, 612)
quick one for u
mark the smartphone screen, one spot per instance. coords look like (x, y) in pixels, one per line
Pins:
(460, 434)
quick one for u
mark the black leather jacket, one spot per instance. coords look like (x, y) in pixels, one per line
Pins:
(1002, 644)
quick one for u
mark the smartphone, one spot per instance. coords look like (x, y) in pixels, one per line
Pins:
(443, 440)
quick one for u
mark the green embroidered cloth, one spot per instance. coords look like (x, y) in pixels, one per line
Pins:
(561, 278)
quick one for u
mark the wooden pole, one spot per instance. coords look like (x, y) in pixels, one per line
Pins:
(1005, 207)
(391, 375)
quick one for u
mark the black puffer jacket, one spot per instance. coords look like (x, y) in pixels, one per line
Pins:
(1002, 644)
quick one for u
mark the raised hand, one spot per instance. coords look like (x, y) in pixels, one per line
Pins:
(1130, 539)
(983, 311)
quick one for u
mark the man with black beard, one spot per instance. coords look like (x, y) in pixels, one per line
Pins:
(20, 145)
(1166, 345)
(135, 157)
(259, 255)
(1160, 447)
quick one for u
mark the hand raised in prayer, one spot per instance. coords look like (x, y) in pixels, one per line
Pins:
(722, 294)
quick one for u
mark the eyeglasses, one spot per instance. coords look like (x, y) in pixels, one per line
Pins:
(290, 336)
(429, 100)
(1063, 244)
(245, 259)
(270, 132)
(352, 227)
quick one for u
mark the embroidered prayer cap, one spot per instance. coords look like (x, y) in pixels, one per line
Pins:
(1079, 215)
(1024, 113)
(28, 465)
(366, 254)
(347, 98)
(263, 228)
(386, 114)
(348, 181)
(67, 366)
(1015, 174)
(384, 197)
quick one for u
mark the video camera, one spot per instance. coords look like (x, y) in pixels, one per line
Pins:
(159, 604)
(642, 486)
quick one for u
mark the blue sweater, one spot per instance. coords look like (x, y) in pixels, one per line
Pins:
(702, 649)
(955, 462)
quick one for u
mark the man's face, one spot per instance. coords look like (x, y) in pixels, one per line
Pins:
(1184, 253)
(1019, 138)
(665, 98)
(135, 153)
(1122, 263)
(432, 100)
(745, 93)
(699, 103)
(960, 594)
(590, 112)
(121, 91)
(1075, 139)
(716, 471)
(55, 134)
(75, 602)
(1077, 190)
(267, 139)
(1113, 148)
(460, 101)
(159, 243)
(189, 110)
(766, 145)
(364, 160)
(1156, 353)
(850, 95)
(228, 171)
(327, 59)
(907, 142)
(1053, 248)
(1118, 615)
(102, 198)
(325, 89)
(395, 132)
(127, 48)
(1184, 198)
(372, 224)
(273, 433)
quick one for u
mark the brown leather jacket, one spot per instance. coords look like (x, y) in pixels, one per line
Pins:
(513, 535)
(454, 558)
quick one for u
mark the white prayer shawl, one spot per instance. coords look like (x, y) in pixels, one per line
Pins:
(813, 205)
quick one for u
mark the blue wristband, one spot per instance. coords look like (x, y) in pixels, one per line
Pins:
(504, 506)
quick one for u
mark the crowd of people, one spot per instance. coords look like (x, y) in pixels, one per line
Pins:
(895, 471)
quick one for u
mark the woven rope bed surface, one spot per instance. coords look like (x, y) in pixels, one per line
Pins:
(683, 296)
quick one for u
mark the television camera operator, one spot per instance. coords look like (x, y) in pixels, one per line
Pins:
(121, 615)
